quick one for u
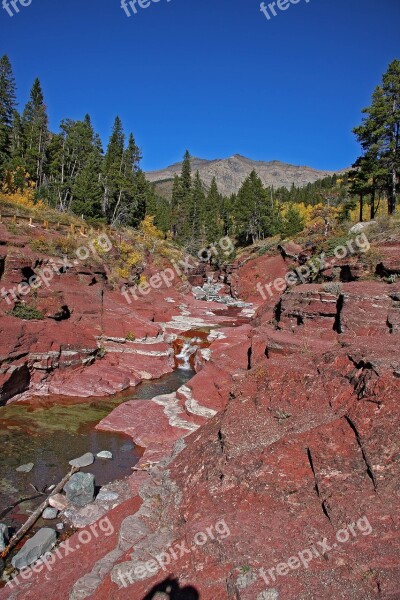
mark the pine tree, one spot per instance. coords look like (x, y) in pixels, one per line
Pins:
(379, 134)
(86, 189)
(212, 218)
(193, 231)
(176, 207)
(186, 175)
(253, 213)
(7, 108)
(181, 201)
(36, 134)
(112, 169)
(293, 222)
(126, 189)
(74, 169)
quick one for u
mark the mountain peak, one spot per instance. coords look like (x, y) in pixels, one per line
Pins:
(231, 172)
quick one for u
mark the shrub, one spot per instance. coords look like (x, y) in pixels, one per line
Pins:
(130, 336)
(27, 313)
(333, 287)
(65, 246)
(40, 244)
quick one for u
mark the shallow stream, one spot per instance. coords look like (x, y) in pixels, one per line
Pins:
(50, 432)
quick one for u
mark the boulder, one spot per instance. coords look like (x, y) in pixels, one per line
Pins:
(80, 489)
(83, 461)
(34, 548)
(3, 536)
(360, 227)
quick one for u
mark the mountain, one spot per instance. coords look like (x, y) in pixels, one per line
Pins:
(231, 172)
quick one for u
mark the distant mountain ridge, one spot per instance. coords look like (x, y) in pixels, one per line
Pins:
(231, 172)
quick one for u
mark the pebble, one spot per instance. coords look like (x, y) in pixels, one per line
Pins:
(25, 468)
(104, 454)
(58, 501)
(83, 461)
(50, 514)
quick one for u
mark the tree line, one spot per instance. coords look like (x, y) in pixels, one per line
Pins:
(71, 172)
(69, 169)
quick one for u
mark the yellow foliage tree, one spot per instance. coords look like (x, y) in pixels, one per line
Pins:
(13, 193)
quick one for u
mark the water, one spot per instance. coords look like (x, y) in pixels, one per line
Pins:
(189, 348)
(49, 432)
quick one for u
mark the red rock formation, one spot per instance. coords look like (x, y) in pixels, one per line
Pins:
(300, 461)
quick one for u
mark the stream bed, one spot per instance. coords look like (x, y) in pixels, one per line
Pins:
(50, 432)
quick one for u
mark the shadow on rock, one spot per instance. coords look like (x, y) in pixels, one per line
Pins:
(170, 589)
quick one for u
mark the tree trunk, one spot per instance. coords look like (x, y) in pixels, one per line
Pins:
(373, 192)
(361, 207)
(392, 196)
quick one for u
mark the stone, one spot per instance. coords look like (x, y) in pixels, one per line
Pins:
(49, 514)
(58, 501)
(25, 468)
(359, 227)
(271, 594)
(83, 461)
(80, 489)
(106, 496)
(104, 454)
(3, 536)
(34, 548)
(60, 526)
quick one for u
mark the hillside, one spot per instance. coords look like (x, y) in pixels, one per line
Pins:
(231, 172)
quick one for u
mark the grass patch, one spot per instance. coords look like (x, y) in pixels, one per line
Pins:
(27, 313)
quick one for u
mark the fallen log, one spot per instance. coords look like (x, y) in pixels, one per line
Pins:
(36, 514)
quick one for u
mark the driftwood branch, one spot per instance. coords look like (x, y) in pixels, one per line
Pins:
(35, 515)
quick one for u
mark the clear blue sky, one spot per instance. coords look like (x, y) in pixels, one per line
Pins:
(214, 76)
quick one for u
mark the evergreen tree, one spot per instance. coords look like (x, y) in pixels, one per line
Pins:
(212, 218)
(379, 134)
(74, 171)
(193, 232)
(112, 169)
(293, 222)
(159, 208)
(253, 213)
(86, 189)
(36, 134)
(182, 201)
(186, 175)
(126, 189)
(7, 108)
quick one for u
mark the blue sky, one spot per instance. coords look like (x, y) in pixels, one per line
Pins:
(214, 76)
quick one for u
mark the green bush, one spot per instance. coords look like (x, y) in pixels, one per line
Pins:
(27, 313)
